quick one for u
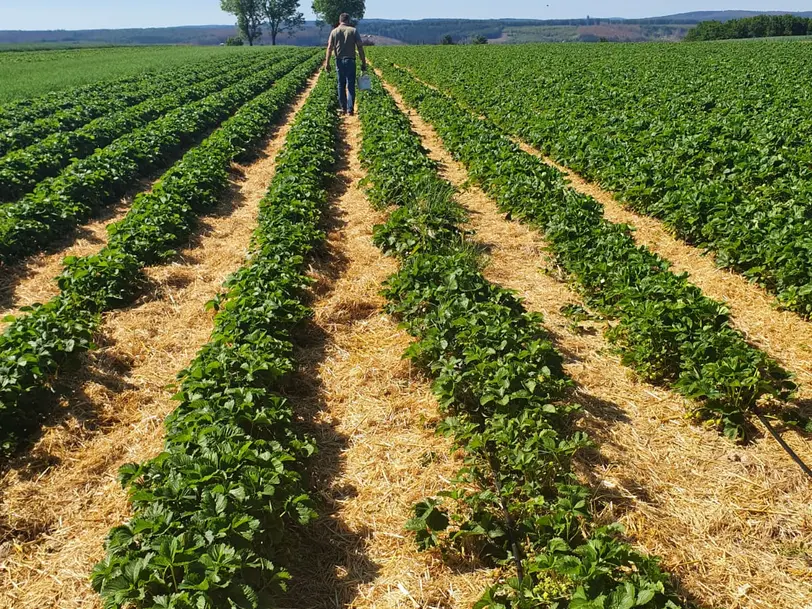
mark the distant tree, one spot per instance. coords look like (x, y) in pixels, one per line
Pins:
(250, 15)
(235, 41)
(447, 39)
(328, 11)
(480, 39)
(752, 27)
(282, 16)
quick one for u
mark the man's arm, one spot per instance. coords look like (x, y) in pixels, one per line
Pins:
(360, 46)
(329, 52)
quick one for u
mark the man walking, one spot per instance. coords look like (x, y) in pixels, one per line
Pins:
(343, 42)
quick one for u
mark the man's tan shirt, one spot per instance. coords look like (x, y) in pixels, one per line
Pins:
(344, 39)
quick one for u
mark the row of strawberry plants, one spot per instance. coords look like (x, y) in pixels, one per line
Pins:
(38, 345)
(65, 102)
(710, 140)
(108, 100)
(516, 502)
(212, 511)
(57, 205)
(22, 169)
(19, 112)
(667, 330)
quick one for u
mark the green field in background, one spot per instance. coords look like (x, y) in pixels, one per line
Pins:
(31, 73)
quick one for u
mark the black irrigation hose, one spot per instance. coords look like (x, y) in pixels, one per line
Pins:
(793, 455)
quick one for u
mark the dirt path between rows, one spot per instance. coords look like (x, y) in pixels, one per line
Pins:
(374, 419)
(734, 524)
(782, 334)
(58, 502)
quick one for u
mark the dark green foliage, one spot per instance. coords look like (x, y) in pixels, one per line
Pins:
(503, 390)
(761, 26)
(57, 205)
(708, 138)
(38, 344)
(667, 331)
(212, 511)
(22, 169)
(108, 99)
(328, 11)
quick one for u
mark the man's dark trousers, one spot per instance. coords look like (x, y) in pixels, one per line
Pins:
(346, 84)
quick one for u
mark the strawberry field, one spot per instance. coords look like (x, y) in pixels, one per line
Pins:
(531, 330)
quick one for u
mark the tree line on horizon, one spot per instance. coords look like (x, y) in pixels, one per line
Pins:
(276, 16)
(761, 26)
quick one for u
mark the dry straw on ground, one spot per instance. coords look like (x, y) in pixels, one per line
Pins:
(373, 418)
(34, 280)
(58, 501)
(782, 334)
(733, 524)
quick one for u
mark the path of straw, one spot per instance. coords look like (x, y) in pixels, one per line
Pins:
(34, 280)
(782, 334)
(58, 501)
(375, 418)
(733, 524)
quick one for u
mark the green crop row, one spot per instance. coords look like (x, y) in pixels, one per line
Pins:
(57, 205)
(710, 139)
(37, 345)
(22, 169)
(211, 511)
(109, 101)
(516, 502)
(75, 100)
(667, 330)
(32, 77)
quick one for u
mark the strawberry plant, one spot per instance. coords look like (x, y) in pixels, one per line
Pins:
(37, 345)
(500, 383)
(211, 513)
(57, 205)
(667, 330)
(22, 169)
(111, 99)
(710, 139)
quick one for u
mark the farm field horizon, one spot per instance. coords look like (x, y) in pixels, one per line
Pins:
(531, 329)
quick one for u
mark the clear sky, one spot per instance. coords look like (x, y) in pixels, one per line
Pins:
(87, 14)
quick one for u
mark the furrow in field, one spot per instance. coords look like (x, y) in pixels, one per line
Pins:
(375, 418)
(59, 501)
(730, 522)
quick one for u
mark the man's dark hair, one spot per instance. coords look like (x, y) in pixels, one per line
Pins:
(344, 18)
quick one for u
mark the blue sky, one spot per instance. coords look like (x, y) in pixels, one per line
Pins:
(80, 14)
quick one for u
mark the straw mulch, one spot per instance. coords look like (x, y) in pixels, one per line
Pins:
(782, 334)
(34, 280)
(733, 524)
(373, 416)
(58, 501)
